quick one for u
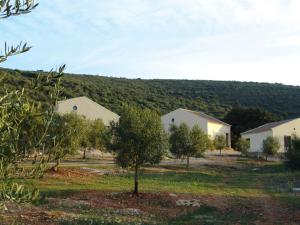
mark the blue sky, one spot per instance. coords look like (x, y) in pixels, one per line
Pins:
(248, 40)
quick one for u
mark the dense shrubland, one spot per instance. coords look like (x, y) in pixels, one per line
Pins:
(214, 97)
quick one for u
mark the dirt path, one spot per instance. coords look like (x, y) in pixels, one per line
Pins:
(274, 212)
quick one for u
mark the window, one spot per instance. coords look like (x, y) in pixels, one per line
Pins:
(287, 142)
(173, 120)
(75, 108)
(227, 140)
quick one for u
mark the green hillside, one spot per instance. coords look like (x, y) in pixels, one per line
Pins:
(213, 97)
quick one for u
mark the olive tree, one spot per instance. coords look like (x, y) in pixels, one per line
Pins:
(220, 143)
(93, 137)
(271, 145)
(186, 142)
(242, 145)
(66, 134)
(138, 139)
(24, 124)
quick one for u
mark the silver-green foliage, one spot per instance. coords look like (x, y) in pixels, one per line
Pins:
(220, 142)
(24, 124)
(186, 142)
(17, 193)
(138, 139)
(243, 146)
(271, 145)
(93, 135)
(65, 136)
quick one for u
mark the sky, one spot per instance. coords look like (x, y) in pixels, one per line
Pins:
(244, 40)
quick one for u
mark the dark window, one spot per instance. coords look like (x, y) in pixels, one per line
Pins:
(287, 142)
(75, 108)
(227, 140)
(173, 120)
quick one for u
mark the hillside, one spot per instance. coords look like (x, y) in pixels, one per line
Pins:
(213, 97)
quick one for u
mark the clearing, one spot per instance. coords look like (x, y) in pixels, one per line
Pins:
(216, 190)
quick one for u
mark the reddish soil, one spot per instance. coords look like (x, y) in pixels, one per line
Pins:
(162, 205)
(68, 173)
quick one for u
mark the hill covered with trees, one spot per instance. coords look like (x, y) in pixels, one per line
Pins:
(213, 97)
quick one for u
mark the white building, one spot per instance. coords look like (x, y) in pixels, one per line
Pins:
(86, 107)
(210, 125)
(283, 130)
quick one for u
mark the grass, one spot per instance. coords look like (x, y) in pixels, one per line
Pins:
(246, 184)
(207, 180)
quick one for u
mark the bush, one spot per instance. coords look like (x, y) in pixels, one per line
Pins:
(293, 154)
(242, 146)
(186, 142)
(220, 143)
(271, 145)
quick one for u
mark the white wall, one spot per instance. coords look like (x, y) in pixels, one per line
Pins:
(214, 129)
(256, 140)
(288, 129)
(88, 108)
(183, 116)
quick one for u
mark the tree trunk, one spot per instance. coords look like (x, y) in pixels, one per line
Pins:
(220, 152)
(55, 168)
(188, 162)
(84, 153)
(136, 182)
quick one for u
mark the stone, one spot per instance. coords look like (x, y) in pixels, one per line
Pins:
(191, 203)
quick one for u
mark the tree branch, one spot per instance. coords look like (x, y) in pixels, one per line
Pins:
(13, 50)
(18, 7)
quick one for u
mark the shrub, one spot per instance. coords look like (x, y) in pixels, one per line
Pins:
(186, 142)
(271, 145)
(242, 146)
(220, 143)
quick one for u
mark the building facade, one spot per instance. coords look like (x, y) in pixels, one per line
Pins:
(209, 125)
(283, 130)
(86, 107)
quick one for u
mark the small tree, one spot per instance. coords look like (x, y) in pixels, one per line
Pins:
(66, 137)
(220, 143)
(293, 154)
(138, 139)
(243, 146)
(93, 136)
(271, 145)
(186, 142)
(179, 141)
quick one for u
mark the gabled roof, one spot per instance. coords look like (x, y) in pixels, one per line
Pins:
(86, 99)
(203, 115)
(76, 98)
(267, 127)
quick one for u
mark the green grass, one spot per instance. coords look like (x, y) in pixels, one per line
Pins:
(243, 185)
(208, 180)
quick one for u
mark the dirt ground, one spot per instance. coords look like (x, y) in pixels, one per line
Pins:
(154, 206)
(267, 210)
